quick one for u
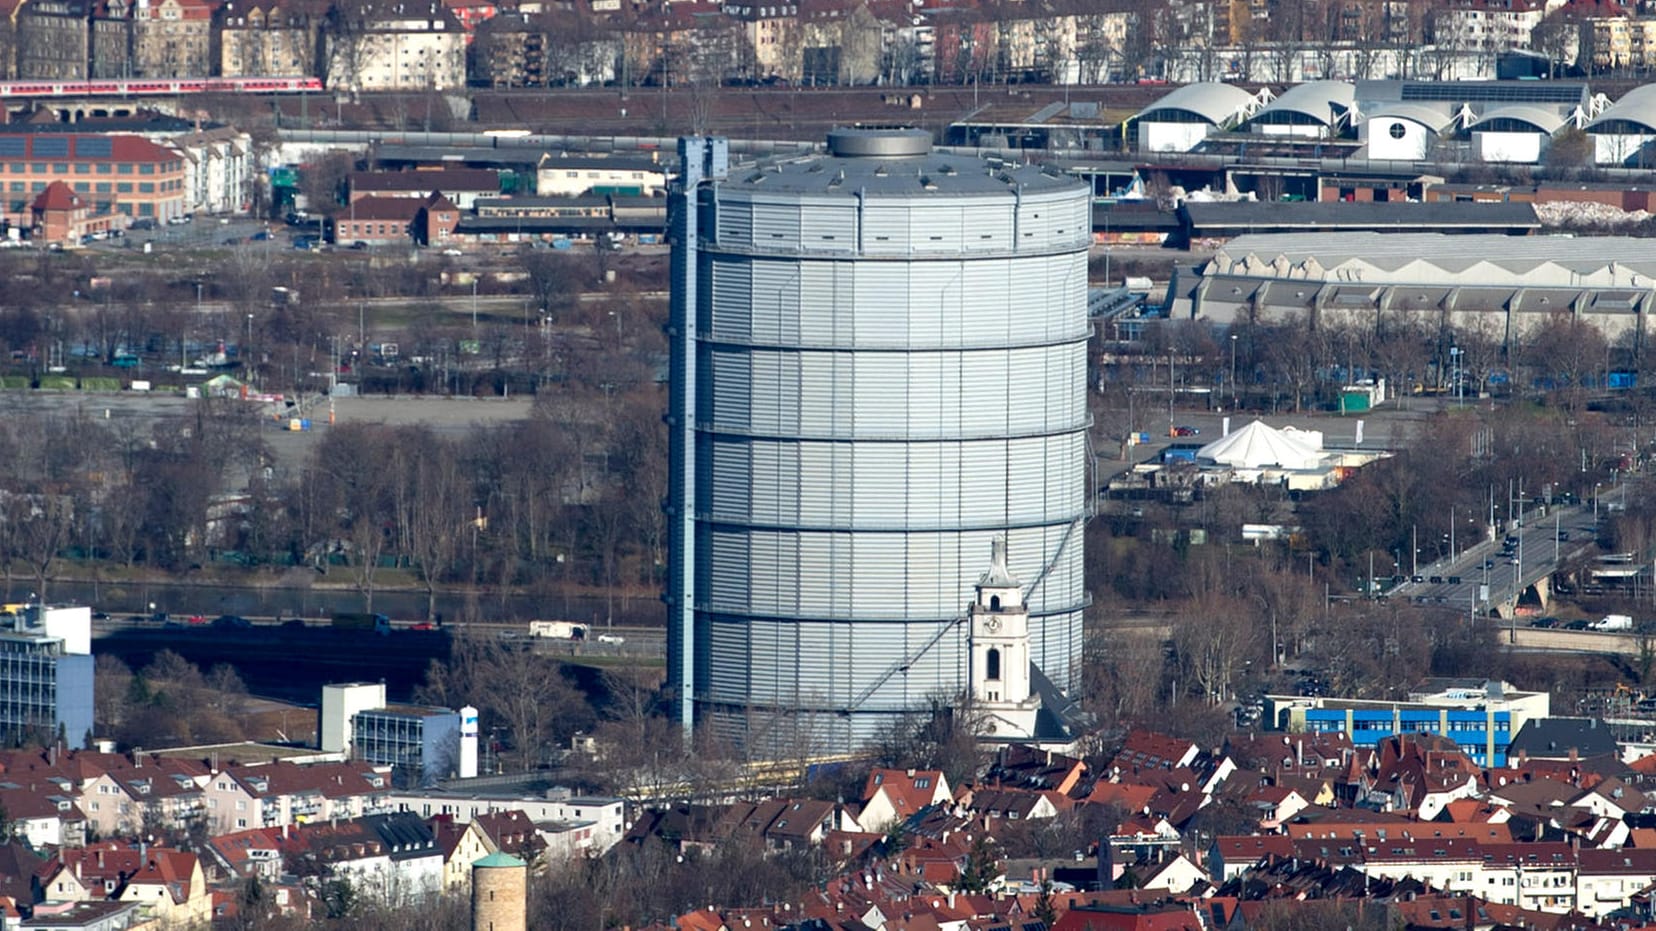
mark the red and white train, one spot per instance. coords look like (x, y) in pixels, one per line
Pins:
(155, 87)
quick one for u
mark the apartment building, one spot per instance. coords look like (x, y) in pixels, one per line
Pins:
(260, 37)
(114, 174)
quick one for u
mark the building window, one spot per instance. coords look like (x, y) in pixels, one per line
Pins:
(123, 187)
(992, 664)
(125, 168)
(82, 168)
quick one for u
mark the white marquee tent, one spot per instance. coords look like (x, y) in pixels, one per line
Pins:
(1259, 446)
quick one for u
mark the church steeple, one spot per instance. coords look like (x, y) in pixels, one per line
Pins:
(1000, 655)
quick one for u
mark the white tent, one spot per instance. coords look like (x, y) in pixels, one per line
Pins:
(1258, 446)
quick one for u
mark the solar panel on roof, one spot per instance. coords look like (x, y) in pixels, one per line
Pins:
(1493, 92)
(14, 145)
(1084, 109)
(94, 147)
(54, 147)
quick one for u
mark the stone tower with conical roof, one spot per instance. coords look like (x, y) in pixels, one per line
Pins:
(500, 893)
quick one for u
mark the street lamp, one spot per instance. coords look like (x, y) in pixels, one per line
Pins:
(247, 347)
(1233, 370)
(1455, 355)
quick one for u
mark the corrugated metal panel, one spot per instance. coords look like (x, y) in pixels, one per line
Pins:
(881, 387)
(881, 305)
(775, 391)
(775, 482)
(775, 302)
(1026, 387)
(937, 228)
(983, 398)
(727, 555)
(990, 228)
(925, 394)
(730, 300)
(829, 227)
(881, 485)
(985, 301)
(926, 482)
(983, 482)
(730, 480)
(727, 650)
(816, 569)
(731, 382)
(819, 392)
(735, 227)
(885, 228)
(927, 590)
(776, 226)
(826, 288)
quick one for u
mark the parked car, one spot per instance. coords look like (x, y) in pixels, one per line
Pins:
(1577, 625)
(231, 622)
(1454, 580)
(1546, 622)
(611, 638)
(423, 625)
(1436, 580)
(1186, 431)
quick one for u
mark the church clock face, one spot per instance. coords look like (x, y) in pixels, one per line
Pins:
(991, 624)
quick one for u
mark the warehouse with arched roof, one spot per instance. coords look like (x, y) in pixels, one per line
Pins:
(1515, 133)
(1181, 120)
(1315, 110)
(1404, 131)
(1624, 130)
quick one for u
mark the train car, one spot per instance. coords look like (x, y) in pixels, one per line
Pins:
(152, 87)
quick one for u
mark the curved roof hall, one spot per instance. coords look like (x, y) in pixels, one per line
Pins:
(1637, 106)
(1432, 118)
(1213, 101)
(1545, 121)
(1320, 101)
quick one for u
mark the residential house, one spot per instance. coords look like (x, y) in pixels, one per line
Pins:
(1013, 804)
(462, 843)
(512, 832)
(220, 170)
(167, 885)
(1607, 880)
(253, 852)
(1232, 855)
(53, 38)
(391, 860)
(43, 814)
(1276, 804)
(276, 794)
(173, 38)
(527, 827)
(552, 48)
(265, 37)
(893, 795)
(1022, 766)
(1176, 875)
(110, 53)
(1147, 749)
(402, 45)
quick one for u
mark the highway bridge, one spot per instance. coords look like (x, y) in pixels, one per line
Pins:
(1483, 578)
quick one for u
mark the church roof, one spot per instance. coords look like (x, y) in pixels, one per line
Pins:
(998, 576)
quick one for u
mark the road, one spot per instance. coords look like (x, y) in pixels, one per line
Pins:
(1546, 541)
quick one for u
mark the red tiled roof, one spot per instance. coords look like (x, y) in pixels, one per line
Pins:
(58, 196)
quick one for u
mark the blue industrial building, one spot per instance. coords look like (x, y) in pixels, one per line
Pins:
(1481, 718)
